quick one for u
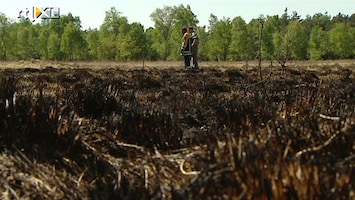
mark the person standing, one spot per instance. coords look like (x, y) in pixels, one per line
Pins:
(186, 47)
(194, 47)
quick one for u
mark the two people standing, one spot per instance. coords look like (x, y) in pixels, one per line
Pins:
(189, 47)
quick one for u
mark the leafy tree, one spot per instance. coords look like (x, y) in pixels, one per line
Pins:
(220, 39)
(58, 25)
(290, 43)
(341, 40)
(285, 19)
(340, 18)
(56, 48)
(241, 46)
(22, 49)
(112, 21)
(109, 31)
(211, 29)
(212, 23)
(67, 45)
(203, 44)
(138, 42)
(183, 17)
(319, 43)
(163, 22)
(94, 43)
(4, 31)
(295, 16)
(282, 45)
(108, 47)
(254, 33)
(43, 42)
(322, 20)
(272, 25)
(73, 44)
(122, 39)
(298, 40)
(308, 25)
(26, 44)
(133, 47)
(12, 40)
(286, 37)
(34, 41)
(151, 36)
(113, 36)
(53, 45)
(352, 20)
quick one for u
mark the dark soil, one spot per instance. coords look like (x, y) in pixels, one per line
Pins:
(172, 134)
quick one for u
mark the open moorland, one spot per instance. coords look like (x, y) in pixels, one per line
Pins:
(155, 131)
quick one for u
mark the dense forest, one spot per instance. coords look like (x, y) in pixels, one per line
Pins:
(285, 37)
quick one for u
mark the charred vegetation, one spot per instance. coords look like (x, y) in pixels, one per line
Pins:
(168, 134)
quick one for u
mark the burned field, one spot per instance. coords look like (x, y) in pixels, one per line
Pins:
(169, 134)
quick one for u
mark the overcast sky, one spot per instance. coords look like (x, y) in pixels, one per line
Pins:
(92, 12)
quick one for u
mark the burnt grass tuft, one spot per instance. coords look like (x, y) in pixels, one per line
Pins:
(170, 134)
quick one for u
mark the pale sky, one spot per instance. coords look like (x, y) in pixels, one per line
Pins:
(92, 12)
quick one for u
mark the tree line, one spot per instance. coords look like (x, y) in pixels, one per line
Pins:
(285, 37)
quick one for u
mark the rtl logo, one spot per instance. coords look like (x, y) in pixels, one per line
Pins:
(40, 13)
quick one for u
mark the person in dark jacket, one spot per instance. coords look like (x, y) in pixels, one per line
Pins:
(194, 47)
